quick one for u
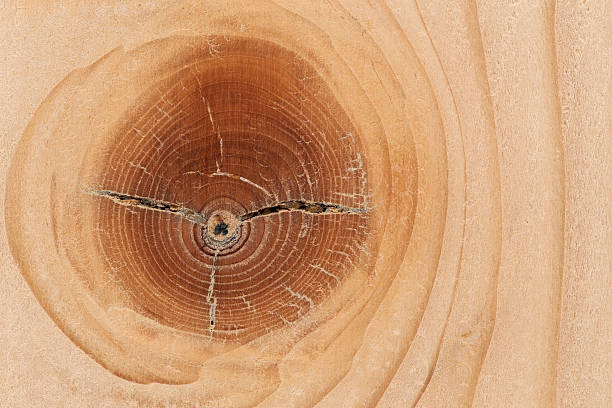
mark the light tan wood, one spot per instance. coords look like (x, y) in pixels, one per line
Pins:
(295, 204)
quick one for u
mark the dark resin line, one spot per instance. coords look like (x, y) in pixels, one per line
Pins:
(304, 206)
(151, 204)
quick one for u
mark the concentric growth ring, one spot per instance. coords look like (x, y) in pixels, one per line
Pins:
(219, 139)
(213, 204)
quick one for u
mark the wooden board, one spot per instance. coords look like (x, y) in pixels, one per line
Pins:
(294, 204)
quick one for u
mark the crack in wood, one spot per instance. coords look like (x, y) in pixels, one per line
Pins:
(213, 270)
(211, 287)
(311, 207)
(304, 206)
(151, 204)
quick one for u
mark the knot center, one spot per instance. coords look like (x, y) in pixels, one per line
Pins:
(222, 230)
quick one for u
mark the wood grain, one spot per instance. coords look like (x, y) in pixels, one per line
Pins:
(294, 204)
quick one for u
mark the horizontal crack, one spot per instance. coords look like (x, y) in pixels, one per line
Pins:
(304, 206)
(152, 204)
(316, 208)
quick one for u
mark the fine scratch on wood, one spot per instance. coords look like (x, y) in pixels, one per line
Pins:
(243, 179)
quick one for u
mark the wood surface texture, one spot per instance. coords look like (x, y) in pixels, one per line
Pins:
(398, 203)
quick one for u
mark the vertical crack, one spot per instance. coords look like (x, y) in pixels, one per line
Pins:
(211, 285)
(209, 296)
(219, 138)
